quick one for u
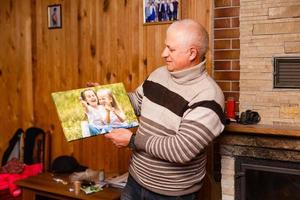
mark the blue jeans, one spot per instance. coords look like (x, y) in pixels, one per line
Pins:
(133, 191)
(94, 130)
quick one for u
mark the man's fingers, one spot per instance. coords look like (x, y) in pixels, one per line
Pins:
(92, 84)
(108, 135)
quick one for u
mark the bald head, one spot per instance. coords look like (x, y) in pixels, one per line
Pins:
(190, 34)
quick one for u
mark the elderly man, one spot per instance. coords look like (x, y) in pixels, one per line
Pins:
(181, 112)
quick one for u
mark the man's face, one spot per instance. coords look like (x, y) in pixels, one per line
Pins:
(176, 55)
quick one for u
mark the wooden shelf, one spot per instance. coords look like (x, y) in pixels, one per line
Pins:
(290, 131)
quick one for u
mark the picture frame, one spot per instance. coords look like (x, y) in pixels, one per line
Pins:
(92, 111)
(54, 16)
(161, 11)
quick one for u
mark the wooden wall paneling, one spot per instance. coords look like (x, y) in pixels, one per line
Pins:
(134, 41)
(122, 38)
(117, 66)
(133, 58)
(127, 13)
(152, 49)
(201, 12)
(104, 27)
(86, 40)
(56, 68)
(91, 150)
(95, 149)
(16, 106)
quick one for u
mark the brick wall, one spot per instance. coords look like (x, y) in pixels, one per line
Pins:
(247, 35)
(268, 29)
(227, 47)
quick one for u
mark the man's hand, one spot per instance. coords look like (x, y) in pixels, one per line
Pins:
(120, 137)
(92, 84)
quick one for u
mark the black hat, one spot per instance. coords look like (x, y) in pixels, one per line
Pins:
(66, 164)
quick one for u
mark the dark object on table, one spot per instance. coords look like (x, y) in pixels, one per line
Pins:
(66, 164)
(249, 117)
(87, 183)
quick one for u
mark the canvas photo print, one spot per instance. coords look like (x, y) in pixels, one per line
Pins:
(94, 111)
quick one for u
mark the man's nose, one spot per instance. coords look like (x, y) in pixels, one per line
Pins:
(164, 54)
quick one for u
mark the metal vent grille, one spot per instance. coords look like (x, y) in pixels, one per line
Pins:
(286, 72)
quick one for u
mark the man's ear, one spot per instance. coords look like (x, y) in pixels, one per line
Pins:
(193, 54)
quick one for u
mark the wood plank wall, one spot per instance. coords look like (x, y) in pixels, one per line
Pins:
(102, 41)
(16, 102)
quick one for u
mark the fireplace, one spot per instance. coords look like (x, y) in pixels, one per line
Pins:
(260, 162)
(258, 158)
(261, 179)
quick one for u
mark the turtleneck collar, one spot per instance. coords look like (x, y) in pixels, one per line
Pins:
(189, 75)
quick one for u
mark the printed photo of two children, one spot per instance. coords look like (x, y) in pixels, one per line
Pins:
(93, 111)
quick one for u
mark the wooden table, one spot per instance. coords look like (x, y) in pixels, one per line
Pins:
(43, 187)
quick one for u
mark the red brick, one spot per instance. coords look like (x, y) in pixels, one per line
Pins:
(227, 12)
(227, 75)
(236, 65)
(222, 23)
(227, 54)
(235, 86)
(236, 44)
(235, 2)
(227, 33)
(225, 86)
(222, 44)
(222, 3)
(222, 65)
(235, 22)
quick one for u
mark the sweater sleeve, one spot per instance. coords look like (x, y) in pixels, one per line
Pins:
(198, 127)
(136, 98)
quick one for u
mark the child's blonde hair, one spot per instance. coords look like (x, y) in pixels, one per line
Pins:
(108, 92)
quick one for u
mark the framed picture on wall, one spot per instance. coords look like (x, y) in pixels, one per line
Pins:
(161, 11)
(54, 16)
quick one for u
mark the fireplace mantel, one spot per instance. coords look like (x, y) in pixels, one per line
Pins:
(263, 141)
(279, 130)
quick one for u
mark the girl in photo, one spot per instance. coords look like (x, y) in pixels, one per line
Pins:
(113, 115)
(93, 110)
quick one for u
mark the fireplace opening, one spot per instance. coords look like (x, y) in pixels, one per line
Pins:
(259, 179)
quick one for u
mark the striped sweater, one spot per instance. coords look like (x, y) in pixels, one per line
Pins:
(180, 114)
